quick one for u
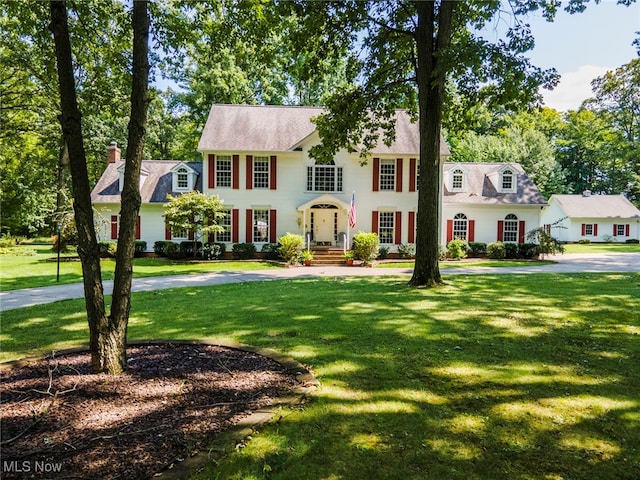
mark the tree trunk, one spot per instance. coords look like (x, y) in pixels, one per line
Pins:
(130, 197)
(70, 121)
(430, 75)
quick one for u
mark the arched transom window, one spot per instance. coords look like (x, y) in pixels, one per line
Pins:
(457, 180)
(510, 228)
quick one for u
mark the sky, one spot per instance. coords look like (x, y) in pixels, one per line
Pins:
(583, 46)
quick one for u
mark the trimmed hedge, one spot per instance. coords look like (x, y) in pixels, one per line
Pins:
(243, 251)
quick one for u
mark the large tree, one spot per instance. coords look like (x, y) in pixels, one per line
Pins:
(107, 332)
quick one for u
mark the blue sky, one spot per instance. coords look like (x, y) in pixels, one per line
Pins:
(582, 47)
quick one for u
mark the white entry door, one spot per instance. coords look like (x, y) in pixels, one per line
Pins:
(324, 224)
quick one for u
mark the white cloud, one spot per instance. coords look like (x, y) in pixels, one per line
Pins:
(574, 88)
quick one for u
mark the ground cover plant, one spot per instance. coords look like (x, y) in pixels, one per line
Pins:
(36, 266)
(494, 376)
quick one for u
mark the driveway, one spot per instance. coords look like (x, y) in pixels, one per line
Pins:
(567, 263)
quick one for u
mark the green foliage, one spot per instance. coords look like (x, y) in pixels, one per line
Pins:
(496, 250)
(365, 247)
(243, 251)
(214, 250)
(477, 249)
(383, 253)
(528, 250)
(108, 249)
(160, 247)
(458, 249)
(584, 241)
(407, 250)
(271, 251)
(290, 245)
(547, 244)
(632, 240)
(139, 247)
(305, 256)
(190, 248)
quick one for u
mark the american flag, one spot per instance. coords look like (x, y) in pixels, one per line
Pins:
(352, 211)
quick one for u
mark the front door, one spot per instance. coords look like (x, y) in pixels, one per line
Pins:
(324, 225)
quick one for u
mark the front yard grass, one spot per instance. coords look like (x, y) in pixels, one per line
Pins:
(489, 377)
(36, 266)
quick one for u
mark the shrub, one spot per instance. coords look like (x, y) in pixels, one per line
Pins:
(407, 250)
(160, 247)
(213, 250)
(632, 240)
(528, 250)
(365, 246)
(108, 249)
(140, 247)
(289, 247)
(496, 250)
(458, 249)
(442, 253)
(477, 249)
(172, 251)
(510, 250)
(187, 248)
(271, 251)
(243, 251)
(584, 241)
(607, 238)
(383, 252)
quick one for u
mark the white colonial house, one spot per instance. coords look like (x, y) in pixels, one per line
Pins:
(256, 159)
(597, 218)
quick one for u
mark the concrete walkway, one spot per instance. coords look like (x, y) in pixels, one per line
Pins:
(568, 263)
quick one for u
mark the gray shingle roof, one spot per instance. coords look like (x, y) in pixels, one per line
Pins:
(596, 206)
(268, 128)
(156, 186)
(482, 186)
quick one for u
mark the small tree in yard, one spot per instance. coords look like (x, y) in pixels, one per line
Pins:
(365, 247)
(195, 212)
(547, 244)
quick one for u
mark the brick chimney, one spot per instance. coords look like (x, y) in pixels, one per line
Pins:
(113, 153)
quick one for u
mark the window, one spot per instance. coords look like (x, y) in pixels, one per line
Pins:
(223, 171)
(621, 230)
(261, 172)
(387, 175)
(182, 179)
(588, 229)
(324, 178)
(510, 228)
(226, 223)
(386, 227)
(260, 225)
(508, 181)
(457, 180)
(460, 226)
(178, 233)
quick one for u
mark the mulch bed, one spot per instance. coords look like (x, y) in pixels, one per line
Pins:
(60, 421)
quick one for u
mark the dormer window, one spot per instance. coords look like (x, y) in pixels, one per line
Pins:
(508, 180)
(183, 178)
(457, 180)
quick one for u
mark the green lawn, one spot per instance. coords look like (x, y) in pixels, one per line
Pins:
(490, 377)
(602, 248)
(36, 266)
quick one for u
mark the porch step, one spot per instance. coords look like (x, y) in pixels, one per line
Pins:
(327, 256)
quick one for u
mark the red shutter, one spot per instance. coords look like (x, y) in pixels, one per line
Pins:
(273, 173)
(398, 228)
(374, 221)
(412, 227)
(627, 230)
(236, 172)
(521, 231)
(273, 233)
(584, 230)
(412, 175)
(376, 174)
(114, 227)
(500, 230)
(212, 170)
(235, 215)
(249, 172)
(167, 231)
(615, 229)
(191, 235)
(249, 226)
(138, 228)
(449, 230)
(595, 229)
(398, 175)
(472, 231)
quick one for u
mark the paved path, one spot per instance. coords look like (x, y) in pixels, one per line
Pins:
(568, 263)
